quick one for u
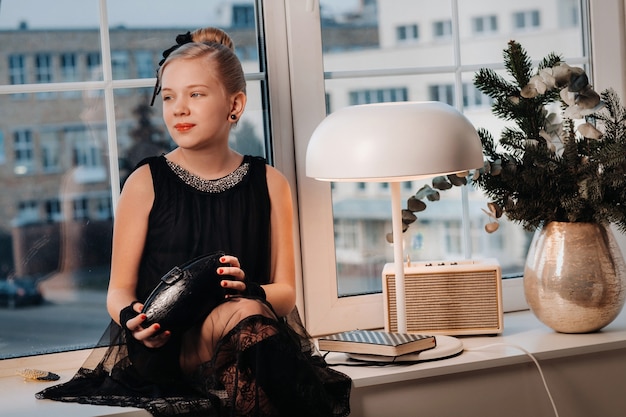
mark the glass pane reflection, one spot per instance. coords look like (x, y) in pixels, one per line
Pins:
(55, 223)
(56, 205)
(405, 51)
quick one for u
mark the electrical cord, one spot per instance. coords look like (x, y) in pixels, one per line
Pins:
(532, 357)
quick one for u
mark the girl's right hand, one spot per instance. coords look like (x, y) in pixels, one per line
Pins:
(149, 336)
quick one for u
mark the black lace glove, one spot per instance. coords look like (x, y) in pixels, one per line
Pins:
(254, 290)
(128, 313)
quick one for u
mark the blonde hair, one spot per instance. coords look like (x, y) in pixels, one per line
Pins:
(217, 46)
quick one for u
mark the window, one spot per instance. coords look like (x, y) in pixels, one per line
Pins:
(484, 24)
(243, 16)
(442, 92)
(80, 208)
(43, 71)
(3, 156)
(59, 179)
(145, 62)
(472, 97)
(378, 95)
(526, 20)
(17, 71)
(50, 151)
(23, 151)
(285, 104)
(27, 213)
(69, 72)
(407, 33)
(440, 71)
(53, 211)
(442, 29)
(92, 64)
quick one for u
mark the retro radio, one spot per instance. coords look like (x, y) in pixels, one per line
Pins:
(451, 298)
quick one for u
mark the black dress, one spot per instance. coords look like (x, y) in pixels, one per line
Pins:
(263, 367)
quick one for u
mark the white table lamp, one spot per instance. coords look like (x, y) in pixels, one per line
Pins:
(393, 142)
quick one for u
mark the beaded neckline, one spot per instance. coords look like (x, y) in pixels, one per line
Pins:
(210, 186)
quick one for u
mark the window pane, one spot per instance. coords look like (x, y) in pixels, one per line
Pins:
(55, 234)
(363, 213)
(55, 172)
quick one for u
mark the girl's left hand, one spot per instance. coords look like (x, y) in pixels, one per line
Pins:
(235, 274)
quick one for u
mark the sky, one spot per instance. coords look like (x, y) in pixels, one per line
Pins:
(49, 14)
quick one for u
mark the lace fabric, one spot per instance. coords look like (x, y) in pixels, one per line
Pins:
(263, 367)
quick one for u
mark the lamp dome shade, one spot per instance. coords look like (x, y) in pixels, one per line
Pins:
(397, 141)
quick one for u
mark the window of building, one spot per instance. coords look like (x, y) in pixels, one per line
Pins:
(104, 211)
(378, 95)
(27, 213)
(50, 151)
(484, 24)
(17, 72)
(69, 71)
(80, 208)
(53, 211)
(243, 16)
(472, 97)
(93, 65)
(145, 62)
(43, 72)
(407, 33)
(526, 20)
(3, 155)
(442, 29)
(442, 92)
(23, 149)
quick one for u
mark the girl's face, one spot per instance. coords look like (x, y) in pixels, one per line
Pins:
(196, 108)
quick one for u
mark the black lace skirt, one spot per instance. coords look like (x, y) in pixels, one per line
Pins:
(262, 367)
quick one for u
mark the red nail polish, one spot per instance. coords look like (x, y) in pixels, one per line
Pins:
(222, 259)
(220, 271)
(143, 317)
(156, 326)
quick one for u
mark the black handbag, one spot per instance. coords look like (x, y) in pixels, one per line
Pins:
(186, 294)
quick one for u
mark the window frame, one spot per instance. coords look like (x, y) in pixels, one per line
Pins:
(297, 104)
(325, 312)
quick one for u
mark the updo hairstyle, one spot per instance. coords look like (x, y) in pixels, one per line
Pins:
(217, 46)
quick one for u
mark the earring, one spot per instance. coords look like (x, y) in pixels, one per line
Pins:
(233, 117)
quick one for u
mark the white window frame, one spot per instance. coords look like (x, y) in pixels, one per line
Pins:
(324, 311)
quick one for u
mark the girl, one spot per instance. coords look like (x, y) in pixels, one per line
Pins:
(243, 358)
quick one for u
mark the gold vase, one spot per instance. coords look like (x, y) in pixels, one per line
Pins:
(575, 277)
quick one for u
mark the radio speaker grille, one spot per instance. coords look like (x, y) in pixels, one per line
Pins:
(458, 298)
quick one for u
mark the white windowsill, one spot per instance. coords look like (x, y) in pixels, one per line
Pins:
(521, 329)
